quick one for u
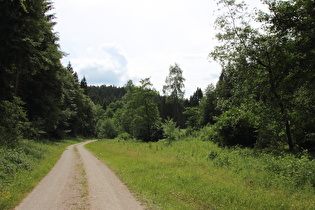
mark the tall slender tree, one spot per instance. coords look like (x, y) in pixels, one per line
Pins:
(174, 89)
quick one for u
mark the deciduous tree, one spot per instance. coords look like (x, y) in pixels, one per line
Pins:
(174, 90)
(268, 67)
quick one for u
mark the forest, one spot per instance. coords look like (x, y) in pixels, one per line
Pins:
(264, 97)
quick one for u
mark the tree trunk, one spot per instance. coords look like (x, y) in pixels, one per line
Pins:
(289, 136)
(17, 77)
(285, 120)
(284, 114)
(178, 117)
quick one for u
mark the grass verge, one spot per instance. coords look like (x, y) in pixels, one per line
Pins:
(23, 167)
(201, 175)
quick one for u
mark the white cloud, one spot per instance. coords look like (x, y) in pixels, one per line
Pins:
(197, 70)
(105, 64)
(148, 37)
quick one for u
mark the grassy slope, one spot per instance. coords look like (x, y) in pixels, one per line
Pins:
(22, 168)
(200, 175)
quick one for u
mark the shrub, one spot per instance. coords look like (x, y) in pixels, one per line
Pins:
(124, 136)
(208, 133)
(107, 129)
(23, 157)
(235, 127)
(308, 142)
(13, 122)
(170, 130)
(300, 171)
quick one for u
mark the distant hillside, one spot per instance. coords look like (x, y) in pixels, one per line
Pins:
(104, 95)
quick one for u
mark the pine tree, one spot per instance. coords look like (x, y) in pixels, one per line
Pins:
(83, 85)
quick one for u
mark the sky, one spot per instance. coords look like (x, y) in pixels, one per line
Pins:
(112, 41)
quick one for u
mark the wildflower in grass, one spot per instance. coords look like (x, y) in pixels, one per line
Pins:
(8, 195)
(5, 195)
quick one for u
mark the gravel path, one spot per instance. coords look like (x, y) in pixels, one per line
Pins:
(80, 181)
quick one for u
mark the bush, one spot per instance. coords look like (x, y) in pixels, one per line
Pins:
(170, 130)
(13, 122)
(308, 142)
(23, 157)
(209, 133)
(235, 127)
(124, 136)
(107, 128)
(299, 171)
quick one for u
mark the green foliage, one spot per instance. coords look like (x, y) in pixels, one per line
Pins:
(236, 127)
(83, 86)
(208, 106)
(13, 122)
(105, 95)
(269, 69)
(23, 157)
(107, 128)
(23, 167)
(53, 103)
(124, 136)
(77, 111)
(139, 115)
(194, 115)
(173, 89)
(174, 83)
(27, 44)
(209, 133)
(170, 130)
(196, 98)
(297, 171)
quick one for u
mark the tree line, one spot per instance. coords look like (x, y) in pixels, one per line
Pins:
(264, 97)
(266, 89)
(265, 94)
(39, 98)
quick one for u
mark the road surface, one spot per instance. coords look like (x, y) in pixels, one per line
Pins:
(80, 181)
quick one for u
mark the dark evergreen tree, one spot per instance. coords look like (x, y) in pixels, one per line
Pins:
(208, 106)
(70, 68)
(196, 98)
(43, 92)
(105, 95)
(30, 61)
(166, 108)
(84, 86)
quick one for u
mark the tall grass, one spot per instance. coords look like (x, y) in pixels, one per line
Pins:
(201, 175)
(23, 167)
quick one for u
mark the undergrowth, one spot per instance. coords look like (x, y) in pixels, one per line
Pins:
(23, 167)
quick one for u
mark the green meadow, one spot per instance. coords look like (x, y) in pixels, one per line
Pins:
(194, 174)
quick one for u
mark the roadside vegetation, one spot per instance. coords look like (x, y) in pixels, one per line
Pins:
(249, 139)
(23, 167)
(196, 174)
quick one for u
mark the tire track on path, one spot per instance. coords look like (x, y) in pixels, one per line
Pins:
(80, 181)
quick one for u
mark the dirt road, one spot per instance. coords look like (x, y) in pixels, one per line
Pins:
(80, 181)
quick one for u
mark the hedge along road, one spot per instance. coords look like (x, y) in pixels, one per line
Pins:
(80, 181)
